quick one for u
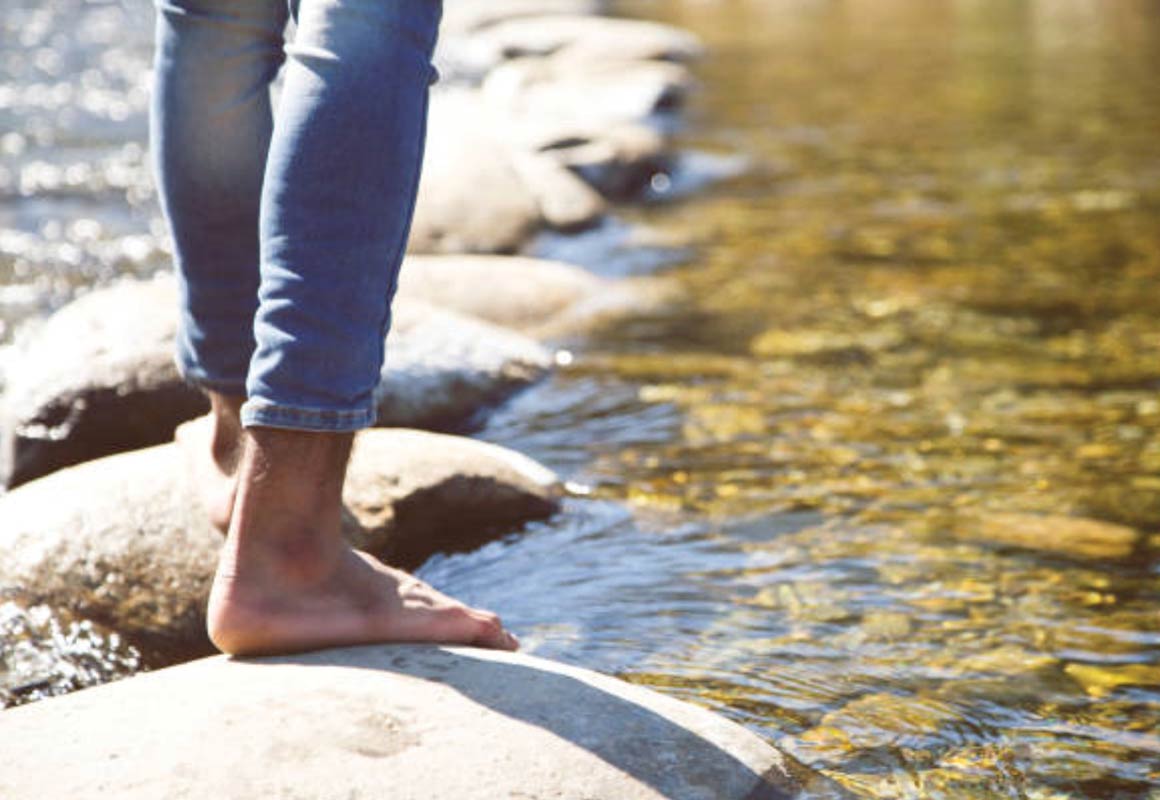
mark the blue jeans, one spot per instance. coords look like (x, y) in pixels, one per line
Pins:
(289, 227)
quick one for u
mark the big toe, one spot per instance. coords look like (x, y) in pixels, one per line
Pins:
(491, 633)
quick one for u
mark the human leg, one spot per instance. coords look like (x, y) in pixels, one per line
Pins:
(210, 128)
(337, 199)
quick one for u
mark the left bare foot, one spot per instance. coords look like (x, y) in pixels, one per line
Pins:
(212, 447)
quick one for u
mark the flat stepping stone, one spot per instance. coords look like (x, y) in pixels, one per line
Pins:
(406, 722)
(98, 377)
(124, 541)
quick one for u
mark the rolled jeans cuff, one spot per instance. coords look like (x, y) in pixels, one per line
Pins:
(262, 413)
(197, 377)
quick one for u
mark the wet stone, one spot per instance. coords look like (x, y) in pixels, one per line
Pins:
(98, 377)
(123, 540)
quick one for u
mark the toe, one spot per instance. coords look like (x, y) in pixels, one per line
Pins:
(490, 632)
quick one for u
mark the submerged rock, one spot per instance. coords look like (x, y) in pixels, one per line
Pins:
(99, 378)
(406, 721)
(1075, 537)
(123, 540)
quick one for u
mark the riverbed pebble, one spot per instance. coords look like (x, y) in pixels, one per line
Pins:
(124, 541)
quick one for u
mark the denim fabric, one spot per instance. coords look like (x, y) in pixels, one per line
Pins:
(289, 224)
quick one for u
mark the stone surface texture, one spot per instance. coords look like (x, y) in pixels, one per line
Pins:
(123, 540)
(404, 722)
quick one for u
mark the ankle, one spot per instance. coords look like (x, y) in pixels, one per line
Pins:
(288, 507)
(226, 429)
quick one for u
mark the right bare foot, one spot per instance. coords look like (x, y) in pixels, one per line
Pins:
(358, 600)
(287, 581)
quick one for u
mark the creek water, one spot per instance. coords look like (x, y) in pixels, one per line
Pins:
(885, 485)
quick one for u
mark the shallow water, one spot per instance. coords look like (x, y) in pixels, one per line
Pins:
(926, 313)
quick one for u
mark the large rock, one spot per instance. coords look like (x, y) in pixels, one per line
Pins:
(479, 193)
(516, 292)
(463, 58)
(404, 722)
(599, 93)
(590, 39)
(124, 541)
(98, 377)
(539, 297)
(443, 369)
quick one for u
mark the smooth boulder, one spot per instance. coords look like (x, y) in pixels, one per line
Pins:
(541, 298)
(601, 93)
(124, 540)
(481, 194)
(407, 722)
(512, 291)
(98, 376)
(591, 39)
(443, 369)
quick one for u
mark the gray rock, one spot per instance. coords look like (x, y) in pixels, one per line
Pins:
(591, 39)
(407, 722)
(443, 369)
(617, 159)
(463, 58)
(475, 198)
(123, 540)
(539, 297)
(593, 94)
(470, 15)
(513, 291)
(503, 164)
(98, 377)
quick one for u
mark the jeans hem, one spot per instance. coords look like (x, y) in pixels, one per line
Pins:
(199, 380)
(262, 413)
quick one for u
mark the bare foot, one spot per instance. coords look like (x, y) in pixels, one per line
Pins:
(212, 447)
(287, 581)
(360, 601)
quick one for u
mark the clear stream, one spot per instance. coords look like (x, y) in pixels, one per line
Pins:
(885, 487)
